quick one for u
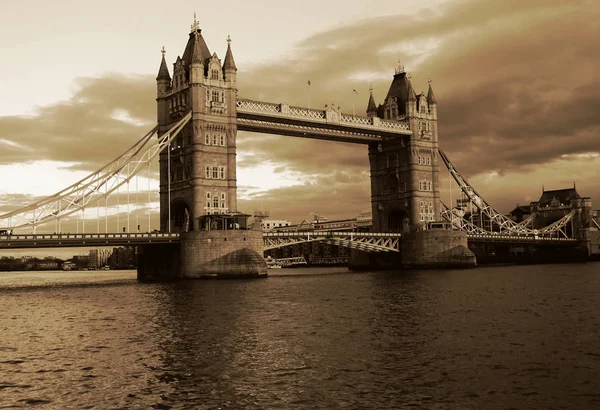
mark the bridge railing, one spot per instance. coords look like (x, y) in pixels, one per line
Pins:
(528, 237)
(331, 233)
(89, 236)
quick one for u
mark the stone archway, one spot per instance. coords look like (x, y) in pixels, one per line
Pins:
(182, 216)
(398, 221)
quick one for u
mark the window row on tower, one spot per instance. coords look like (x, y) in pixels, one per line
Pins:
(218, 140)
(214, 172)
(215, 95)
(425, 185)
(216, 203)
(424, 160)
(426, 211)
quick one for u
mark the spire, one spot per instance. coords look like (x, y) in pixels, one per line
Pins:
(196, 51)
(371, 107)
(430, 95)
(411, 92)
(229, 63)
(195, 27)
(163, 71)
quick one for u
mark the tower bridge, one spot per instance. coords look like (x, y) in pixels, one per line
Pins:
(195, 141)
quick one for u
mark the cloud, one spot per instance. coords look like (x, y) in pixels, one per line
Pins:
(89, 128)
(516, 86)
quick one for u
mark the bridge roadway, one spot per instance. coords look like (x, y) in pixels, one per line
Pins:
(368, 242)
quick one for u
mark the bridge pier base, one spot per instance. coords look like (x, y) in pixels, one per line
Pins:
(222, 254)
(204, 254)
(431, 248)
(437, 248)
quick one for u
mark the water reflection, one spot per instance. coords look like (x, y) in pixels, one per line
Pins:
(486, 338)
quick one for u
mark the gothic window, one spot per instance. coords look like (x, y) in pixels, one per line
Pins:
(215, 95)
(216, 202)
(189, 169)
(221, 172)
(215, 172)
(214, 140)
(222, 199)
(207, 95)
(207, 172)
(419, 158)
(214, 74)
(207, 139)
(222, 96)
(425, 185)
(222, 141)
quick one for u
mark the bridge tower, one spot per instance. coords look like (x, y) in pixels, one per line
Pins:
(202, 169)
(404, 169)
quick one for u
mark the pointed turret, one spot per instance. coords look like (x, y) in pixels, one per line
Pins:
(229, 63)
(163, 84)
(197, 62)
(163, 71)
(430, 95)
(197, 56)
(371, 107)
(412, 96)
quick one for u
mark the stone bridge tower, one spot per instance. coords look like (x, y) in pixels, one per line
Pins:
(404, 169)
(203, 156)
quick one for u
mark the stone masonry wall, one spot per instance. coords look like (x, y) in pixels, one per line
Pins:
(233, 253)
(437, 248)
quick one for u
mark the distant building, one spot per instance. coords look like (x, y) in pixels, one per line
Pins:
(123, 258)
(520, 213)
(98, 258)
(269, 224)
(81, 261)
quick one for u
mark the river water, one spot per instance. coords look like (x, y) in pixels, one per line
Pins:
(489, 338)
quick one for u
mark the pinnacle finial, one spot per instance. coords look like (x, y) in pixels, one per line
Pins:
(163, 51)
(429, 81)
(228, 39)
(400, 68)
(371, 88)
(195, 26)
(409, 76)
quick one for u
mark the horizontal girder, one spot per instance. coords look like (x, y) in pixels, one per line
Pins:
(329, 124)
(367, 242)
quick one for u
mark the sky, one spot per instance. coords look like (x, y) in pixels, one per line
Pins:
(516, 83)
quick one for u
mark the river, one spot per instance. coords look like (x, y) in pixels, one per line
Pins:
(490, 338)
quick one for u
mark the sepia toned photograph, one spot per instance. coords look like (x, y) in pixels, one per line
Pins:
(314, 205)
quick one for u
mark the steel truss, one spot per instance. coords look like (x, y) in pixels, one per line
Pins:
(367, 242)
(503, 223)
(95, 186)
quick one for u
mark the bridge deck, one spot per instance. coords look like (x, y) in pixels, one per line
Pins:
(123, 239)
(81, 240)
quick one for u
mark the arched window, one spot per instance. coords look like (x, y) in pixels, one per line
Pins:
(207, 172)
(216, 202)
(221, 172)
(215, 172)
(207, 139)
(214, 140)
(222, 140)
(214, 74)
